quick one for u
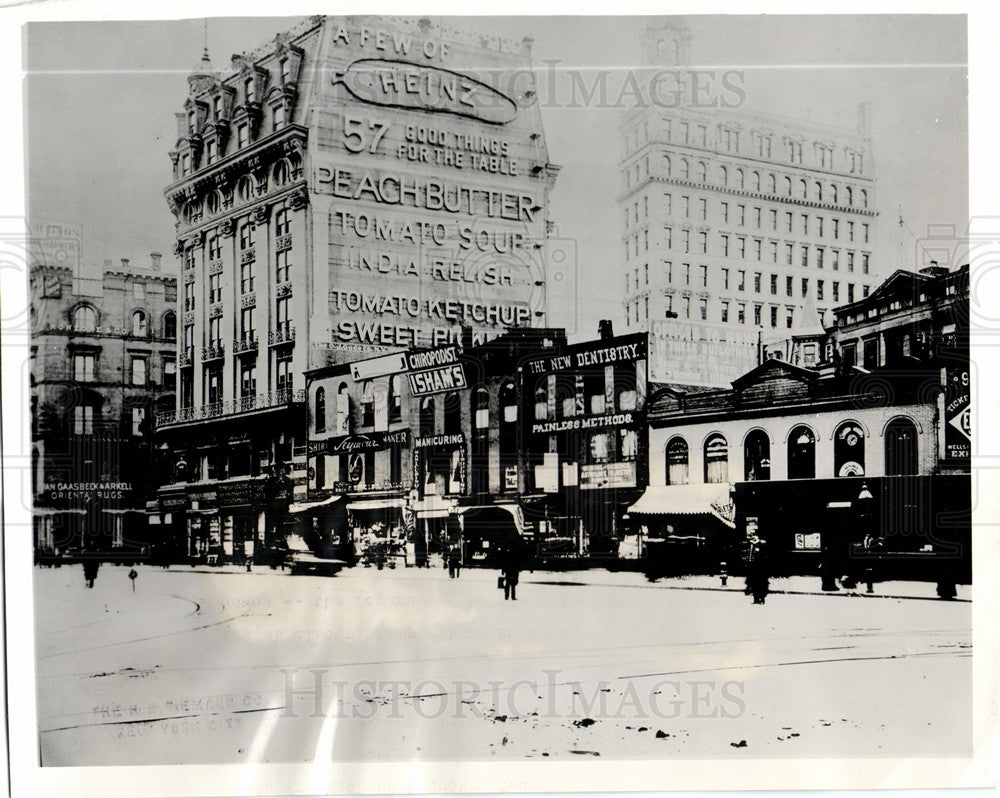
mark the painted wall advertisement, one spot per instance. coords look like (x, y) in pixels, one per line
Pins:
(958, 415)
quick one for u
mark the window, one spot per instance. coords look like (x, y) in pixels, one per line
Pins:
(281, 266)
(756, 282)
(789, 318)
(211, 151)
(725, 279)
(246, 235)
(725, 245)
(741, 285)
(864, 263)
(774, 284)
(702, 242)
(850, 292)
(246, 278)
(250, 92)
(836, 292)
(140, 327)
(85, 319)
(242, 135)
(789, 218)
(169, 373)
(716, 459)
(802, 454)
(704, 275)
(319, 410)
(819, 290)
(215, 287)
(805, 255)
(246, 324)
(901, 452)
(215, 332)
(599, 447)
(774, 220)
(703, 309)
(819, 257)
(756, 456)
(83, 420)
(756, 315)
(805, 287)
(741, 313)
(725, 311)
(138, 421)
(170, 325)
(188, 296)
(248, 382)
(789, 253)
(84, 368)
(835, 259)
(742, 217)
(343, 409)
(677, 462)
(282, 223)
(279, 117)
(703, 204)
(138, 370)
(427, 414)
(805, 224)
(284, 380)
(789, 290)
(849, 450)
(774, 316)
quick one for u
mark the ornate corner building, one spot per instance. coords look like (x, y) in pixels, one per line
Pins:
(357, 185)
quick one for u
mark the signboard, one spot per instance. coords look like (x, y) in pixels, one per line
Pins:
(229, 494)
(365, 442)
(510, 478)
(958, 415)
(607, 475)
(435, 371)
(807, 542)
(586, 422)
(439, 440)
(88, 490)
(626, 349)
(378, 367)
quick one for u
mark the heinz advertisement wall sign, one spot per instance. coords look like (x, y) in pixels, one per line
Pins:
(430, 181)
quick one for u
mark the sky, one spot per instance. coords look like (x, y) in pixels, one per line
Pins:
(101, 99)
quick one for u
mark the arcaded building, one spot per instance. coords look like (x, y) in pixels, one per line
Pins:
(355, 186)
(735, 224)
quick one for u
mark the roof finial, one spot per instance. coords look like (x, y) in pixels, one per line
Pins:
(204, 56)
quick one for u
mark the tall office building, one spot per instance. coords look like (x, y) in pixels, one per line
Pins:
(356, 185)
(737, 225)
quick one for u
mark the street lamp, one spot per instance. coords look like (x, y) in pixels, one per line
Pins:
(865, 500)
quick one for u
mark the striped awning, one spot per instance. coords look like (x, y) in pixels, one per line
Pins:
(304, 507)
(704, 499)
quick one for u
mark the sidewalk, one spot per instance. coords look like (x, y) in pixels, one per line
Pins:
(792, 585)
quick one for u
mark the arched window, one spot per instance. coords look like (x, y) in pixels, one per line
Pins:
(426, 420)
(901, 453)
(756, 456)
(452, 413)
(279, 175)
(864, 198)
(508, 403)
(702, 171)
(85, 319)
(723, 175)
(541, 402)
(139, 326)
(772, 184)
(833, 193)
(849, 450)
(170, 325)
(755, 181)
(395, 398)
(666, 159)
(685, 169)
(849, 195)
(801, 454)
(677, 462)
(320, 410)
(802, 188)
(482, 410)
(788, 186)
(740, 178)
(343, 409)
(819, 191)
(716, 459)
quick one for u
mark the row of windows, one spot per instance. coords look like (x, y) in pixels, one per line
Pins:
(85, 369)
(247, 188)
(730, 139)
(246, 380)
(84, 416)
(741, 179)
(735, 246)
(685, 307)
(86, 319)
(900, 441)
(736, 214)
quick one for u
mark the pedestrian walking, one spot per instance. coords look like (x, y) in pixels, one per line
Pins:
(758, 580)
(455, 560)
(511, 570)
(90, 571)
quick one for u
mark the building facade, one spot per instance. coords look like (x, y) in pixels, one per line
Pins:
(735, 224)
(827, 459)
(356, 186)
(103, 361)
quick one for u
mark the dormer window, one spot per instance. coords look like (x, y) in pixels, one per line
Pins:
(286, 70)
(185, 164)
(251, 91)
(212, 151)
(279, 117)
(192, 121)
(217, 108)
(243, 135)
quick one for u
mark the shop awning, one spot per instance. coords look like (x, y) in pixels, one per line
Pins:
(304, 507)
(208, 511)
(433, 506)
(54, 511)
(377, 504)
(513, 509)
(122, 511)
(711, 499)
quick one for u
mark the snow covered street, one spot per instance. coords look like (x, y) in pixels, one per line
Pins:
(408, 664)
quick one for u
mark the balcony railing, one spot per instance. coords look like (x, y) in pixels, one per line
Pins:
(284, 333)
(232, 407)
(248, 343)
(187, 356)
(213, 351)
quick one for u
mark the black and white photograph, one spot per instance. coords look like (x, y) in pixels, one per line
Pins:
(438, 403)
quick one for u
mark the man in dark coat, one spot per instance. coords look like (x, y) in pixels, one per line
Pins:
(511, 570)
(757, 577)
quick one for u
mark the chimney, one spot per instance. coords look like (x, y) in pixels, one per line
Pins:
(124, 264)
(155, 258)
(605, 329)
